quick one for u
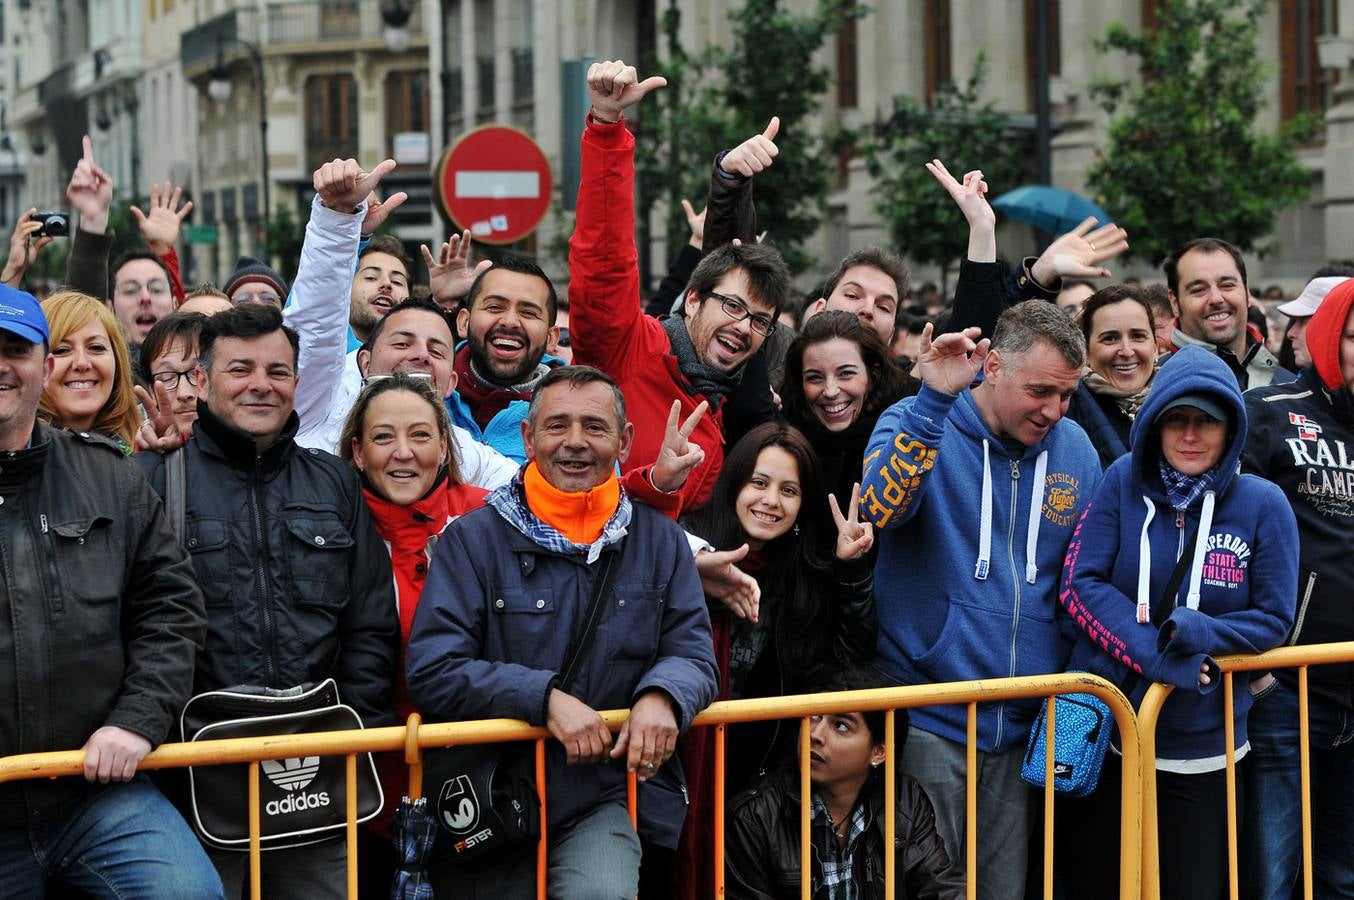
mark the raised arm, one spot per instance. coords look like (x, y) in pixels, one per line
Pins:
(729, 211)
(90, 194)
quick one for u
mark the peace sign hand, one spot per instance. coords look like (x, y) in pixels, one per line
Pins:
(159, 432)
(854, 537)
(970, 196)
(678, 456)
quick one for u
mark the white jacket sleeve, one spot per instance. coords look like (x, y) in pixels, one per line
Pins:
(481, 465)
(319, 307)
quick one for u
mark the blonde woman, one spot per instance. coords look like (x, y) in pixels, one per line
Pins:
(91, 384)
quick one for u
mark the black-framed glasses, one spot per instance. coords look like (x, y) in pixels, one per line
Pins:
(738, 311)
(170, 378)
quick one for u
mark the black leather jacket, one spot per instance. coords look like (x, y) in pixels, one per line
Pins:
(762, 848)
(297, 581)
(101, 618)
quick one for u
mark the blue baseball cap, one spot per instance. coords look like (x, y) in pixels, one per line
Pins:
(21, 314)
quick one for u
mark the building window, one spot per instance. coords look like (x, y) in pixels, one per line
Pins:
(847, 74)
(523, 73)
(406, 105)
(936, 38)
(1052, 40)
(331, 118)
(340, 18)
(1304, 87)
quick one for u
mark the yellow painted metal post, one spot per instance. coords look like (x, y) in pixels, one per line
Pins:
(890, 804)
(351, 792)
(255, 863)
(413, 756)
(1229, 735)
(541, 844)
(805, 812)
(971, 803)
(632, 798)
(720, 749)
(1050, 730)
(1305, 768)
(1148, 713)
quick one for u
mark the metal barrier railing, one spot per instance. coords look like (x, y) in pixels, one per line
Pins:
(1301, 658)
(414, 737)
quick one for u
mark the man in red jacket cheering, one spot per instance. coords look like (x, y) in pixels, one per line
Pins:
(731, 303)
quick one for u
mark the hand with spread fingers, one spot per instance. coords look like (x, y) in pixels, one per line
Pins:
(1080, 252)
(613, 87)
(163, 217)
(724, 581)
(449, 273)
(649, 735)
(951, 361)
(971, 198)
(578, 727)
(23, 248)
(678, 455)
(755, 154)
(854, 537)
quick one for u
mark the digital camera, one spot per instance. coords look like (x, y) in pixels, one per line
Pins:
(54, 224)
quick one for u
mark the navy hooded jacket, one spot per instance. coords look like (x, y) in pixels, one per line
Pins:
(1238, 595)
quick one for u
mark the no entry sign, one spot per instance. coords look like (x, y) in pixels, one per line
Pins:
(494, 181)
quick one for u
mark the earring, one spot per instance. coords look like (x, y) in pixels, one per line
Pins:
(796, 529)
(874, 764)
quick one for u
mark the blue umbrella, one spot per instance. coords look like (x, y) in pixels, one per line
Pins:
(1048, 208)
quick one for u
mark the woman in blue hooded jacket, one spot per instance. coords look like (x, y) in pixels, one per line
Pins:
(1177, 502)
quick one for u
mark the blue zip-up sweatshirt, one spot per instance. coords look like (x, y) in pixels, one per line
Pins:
(1237, 597)
(970, 552)
(504, 431)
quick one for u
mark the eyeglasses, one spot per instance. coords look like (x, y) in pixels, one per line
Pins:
(269, 297)
(170, 378)
(738, 311)
(156, 288)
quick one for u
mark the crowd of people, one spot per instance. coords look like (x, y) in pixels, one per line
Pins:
(450, 503)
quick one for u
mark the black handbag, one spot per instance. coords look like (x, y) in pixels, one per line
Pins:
(484, 795)
(302, 800)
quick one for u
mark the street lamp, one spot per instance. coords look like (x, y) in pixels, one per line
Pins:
(220, 87)
(395, 15)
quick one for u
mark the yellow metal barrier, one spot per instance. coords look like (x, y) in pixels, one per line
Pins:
(415, 736)
(1149, 712)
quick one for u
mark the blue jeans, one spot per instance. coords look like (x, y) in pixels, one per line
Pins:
(120, 841)
(1272, 836)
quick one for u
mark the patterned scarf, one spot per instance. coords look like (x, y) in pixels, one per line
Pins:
(704, 380)
(1130, 403)
(510, 503)
(1184, 490)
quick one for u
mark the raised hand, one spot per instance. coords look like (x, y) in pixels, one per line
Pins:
(696, 222)
(648, 736)
(613, 87)
(951, 361)
(971, 198)
(379, 210)
(854, 537)
(724, 581)
(159, 432)
(449, 273)
(343, 185)
(1080, 252)
(22, 250)
(678, 455)
(755, 154)
(163, 217)
(90, 192)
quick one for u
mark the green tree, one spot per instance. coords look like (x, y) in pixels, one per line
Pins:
(283, 237)
(718, 98)
(963, 132)
(1184, 157)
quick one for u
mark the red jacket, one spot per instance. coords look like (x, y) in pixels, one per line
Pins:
(607, 323)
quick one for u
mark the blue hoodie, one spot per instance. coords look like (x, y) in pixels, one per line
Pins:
(1237, 597)
(970, 553)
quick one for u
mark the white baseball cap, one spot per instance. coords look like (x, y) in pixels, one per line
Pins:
(1307, 302)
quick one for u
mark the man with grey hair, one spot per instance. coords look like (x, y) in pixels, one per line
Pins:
(980, 595)
(512, 591)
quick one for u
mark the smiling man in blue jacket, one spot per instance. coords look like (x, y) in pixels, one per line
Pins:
(976, 492)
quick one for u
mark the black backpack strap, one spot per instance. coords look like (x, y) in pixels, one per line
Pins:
(1164, 604)
(601, 587)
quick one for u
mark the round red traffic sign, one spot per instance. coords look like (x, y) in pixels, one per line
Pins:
(496, 182)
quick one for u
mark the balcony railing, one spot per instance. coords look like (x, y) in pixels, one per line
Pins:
(290, 22)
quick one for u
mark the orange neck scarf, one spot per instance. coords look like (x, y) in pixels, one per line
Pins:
(579, 516)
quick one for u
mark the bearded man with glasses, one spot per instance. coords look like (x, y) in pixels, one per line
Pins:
(730, 306)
